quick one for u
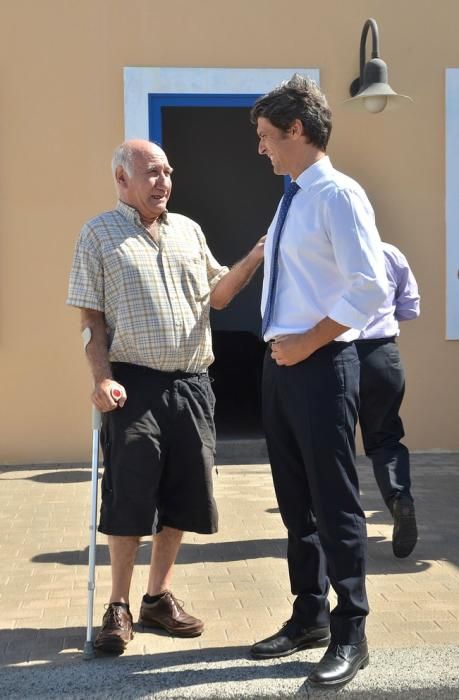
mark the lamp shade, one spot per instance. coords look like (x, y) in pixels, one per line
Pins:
(371, 90)
(375, 94)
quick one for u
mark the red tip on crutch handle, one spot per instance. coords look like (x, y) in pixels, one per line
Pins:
(116, 394)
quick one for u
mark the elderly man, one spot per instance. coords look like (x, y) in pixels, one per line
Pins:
(145, 280)
(324, 279)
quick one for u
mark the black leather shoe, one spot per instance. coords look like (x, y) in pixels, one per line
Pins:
(339, 665)
(405, 533)
(291, 638)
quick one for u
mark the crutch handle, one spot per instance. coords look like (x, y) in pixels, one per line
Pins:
(116, 394)
(96, 414)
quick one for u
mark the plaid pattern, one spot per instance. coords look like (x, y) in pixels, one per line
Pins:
(156, 298)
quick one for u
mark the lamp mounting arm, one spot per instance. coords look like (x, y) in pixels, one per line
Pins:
(369, 24)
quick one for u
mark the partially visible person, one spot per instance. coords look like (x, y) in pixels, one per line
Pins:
(145, 281)
(324, 279)
(382, 387)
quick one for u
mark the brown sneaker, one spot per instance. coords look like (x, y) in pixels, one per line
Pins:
(168, 614)
(116, 630)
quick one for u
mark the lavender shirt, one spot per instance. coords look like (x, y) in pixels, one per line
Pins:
(402, 302)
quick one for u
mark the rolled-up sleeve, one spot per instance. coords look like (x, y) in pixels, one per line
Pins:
(359, 257)
(215, 271)
(407, 299)
(86, 285)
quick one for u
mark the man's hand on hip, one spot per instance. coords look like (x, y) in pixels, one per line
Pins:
(290, 349)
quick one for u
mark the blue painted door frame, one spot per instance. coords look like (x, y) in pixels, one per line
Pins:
(156, 101)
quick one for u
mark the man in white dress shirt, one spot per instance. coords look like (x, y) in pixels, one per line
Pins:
(324, 279)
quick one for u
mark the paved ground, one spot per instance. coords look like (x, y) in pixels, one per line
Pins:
(236, 581)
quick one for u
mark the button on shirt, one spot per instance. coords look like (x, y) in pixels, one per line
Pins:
(330, 257)
(155, 296)
(402, 302)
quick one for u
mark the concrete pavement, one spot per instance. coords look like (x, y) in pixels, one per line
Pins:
(235, 580)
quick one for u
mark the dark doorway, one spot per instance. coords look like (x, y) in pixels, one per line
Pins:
(221, 182)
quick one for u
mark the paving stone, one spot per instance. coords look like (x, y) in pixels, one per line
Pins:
(249, 613)
(441, 636)
(423, 614)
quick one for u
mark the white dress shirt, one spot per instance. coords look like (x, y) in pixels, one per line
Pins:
(330, 257)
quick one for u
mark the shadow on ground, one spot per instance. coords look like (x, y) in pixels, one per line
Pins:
(49, 474)
(381, 559)
(45, 645)
(204, 673)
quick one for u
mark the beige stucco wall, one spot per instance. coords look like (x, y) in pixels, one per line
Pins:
(62, 114)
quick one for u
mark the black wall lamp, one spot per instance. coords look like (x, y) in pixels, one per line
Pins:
(370, 90)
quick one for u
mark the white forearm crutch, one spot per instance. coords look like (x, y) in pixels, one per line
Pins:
(88, 651)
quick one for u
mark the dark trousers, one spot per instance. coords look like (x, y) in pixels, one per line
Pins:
(382, 387)
(309, 415)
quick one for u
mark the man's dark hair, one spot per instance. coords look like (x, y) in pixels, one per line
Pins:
(298, 98)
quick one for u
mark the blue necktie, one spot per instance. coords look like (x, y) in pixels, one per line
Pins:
(269, 308)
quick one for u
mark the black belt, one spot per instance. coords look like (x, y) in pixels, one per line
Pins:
(391, 339)
(176, 374)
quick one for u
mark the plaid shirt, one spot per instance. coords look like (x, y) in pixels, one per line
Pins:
(155, 297)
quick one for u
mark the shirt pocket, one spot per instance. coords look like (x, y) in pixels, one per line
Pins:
(190, 268)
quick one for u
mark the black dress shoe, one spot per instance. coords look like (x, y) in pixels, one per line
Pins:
(405, 533)
(291, 638)
(339, 665)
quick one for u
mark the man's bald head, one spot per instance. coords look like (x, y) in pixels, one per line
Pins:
(125, 154)
(143, 178)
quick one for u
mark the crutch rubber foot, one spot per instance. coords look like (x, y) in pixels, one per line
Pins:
(88, 651)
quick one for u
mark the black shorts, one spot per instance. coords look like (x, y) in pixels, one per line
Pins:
(159, 454)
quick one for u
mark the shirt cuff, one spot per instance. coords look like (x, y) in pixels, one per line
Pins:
(347, 315)
(85, 303)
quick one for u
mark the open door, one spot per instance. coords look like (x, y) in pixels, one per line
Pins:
(221, 182)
